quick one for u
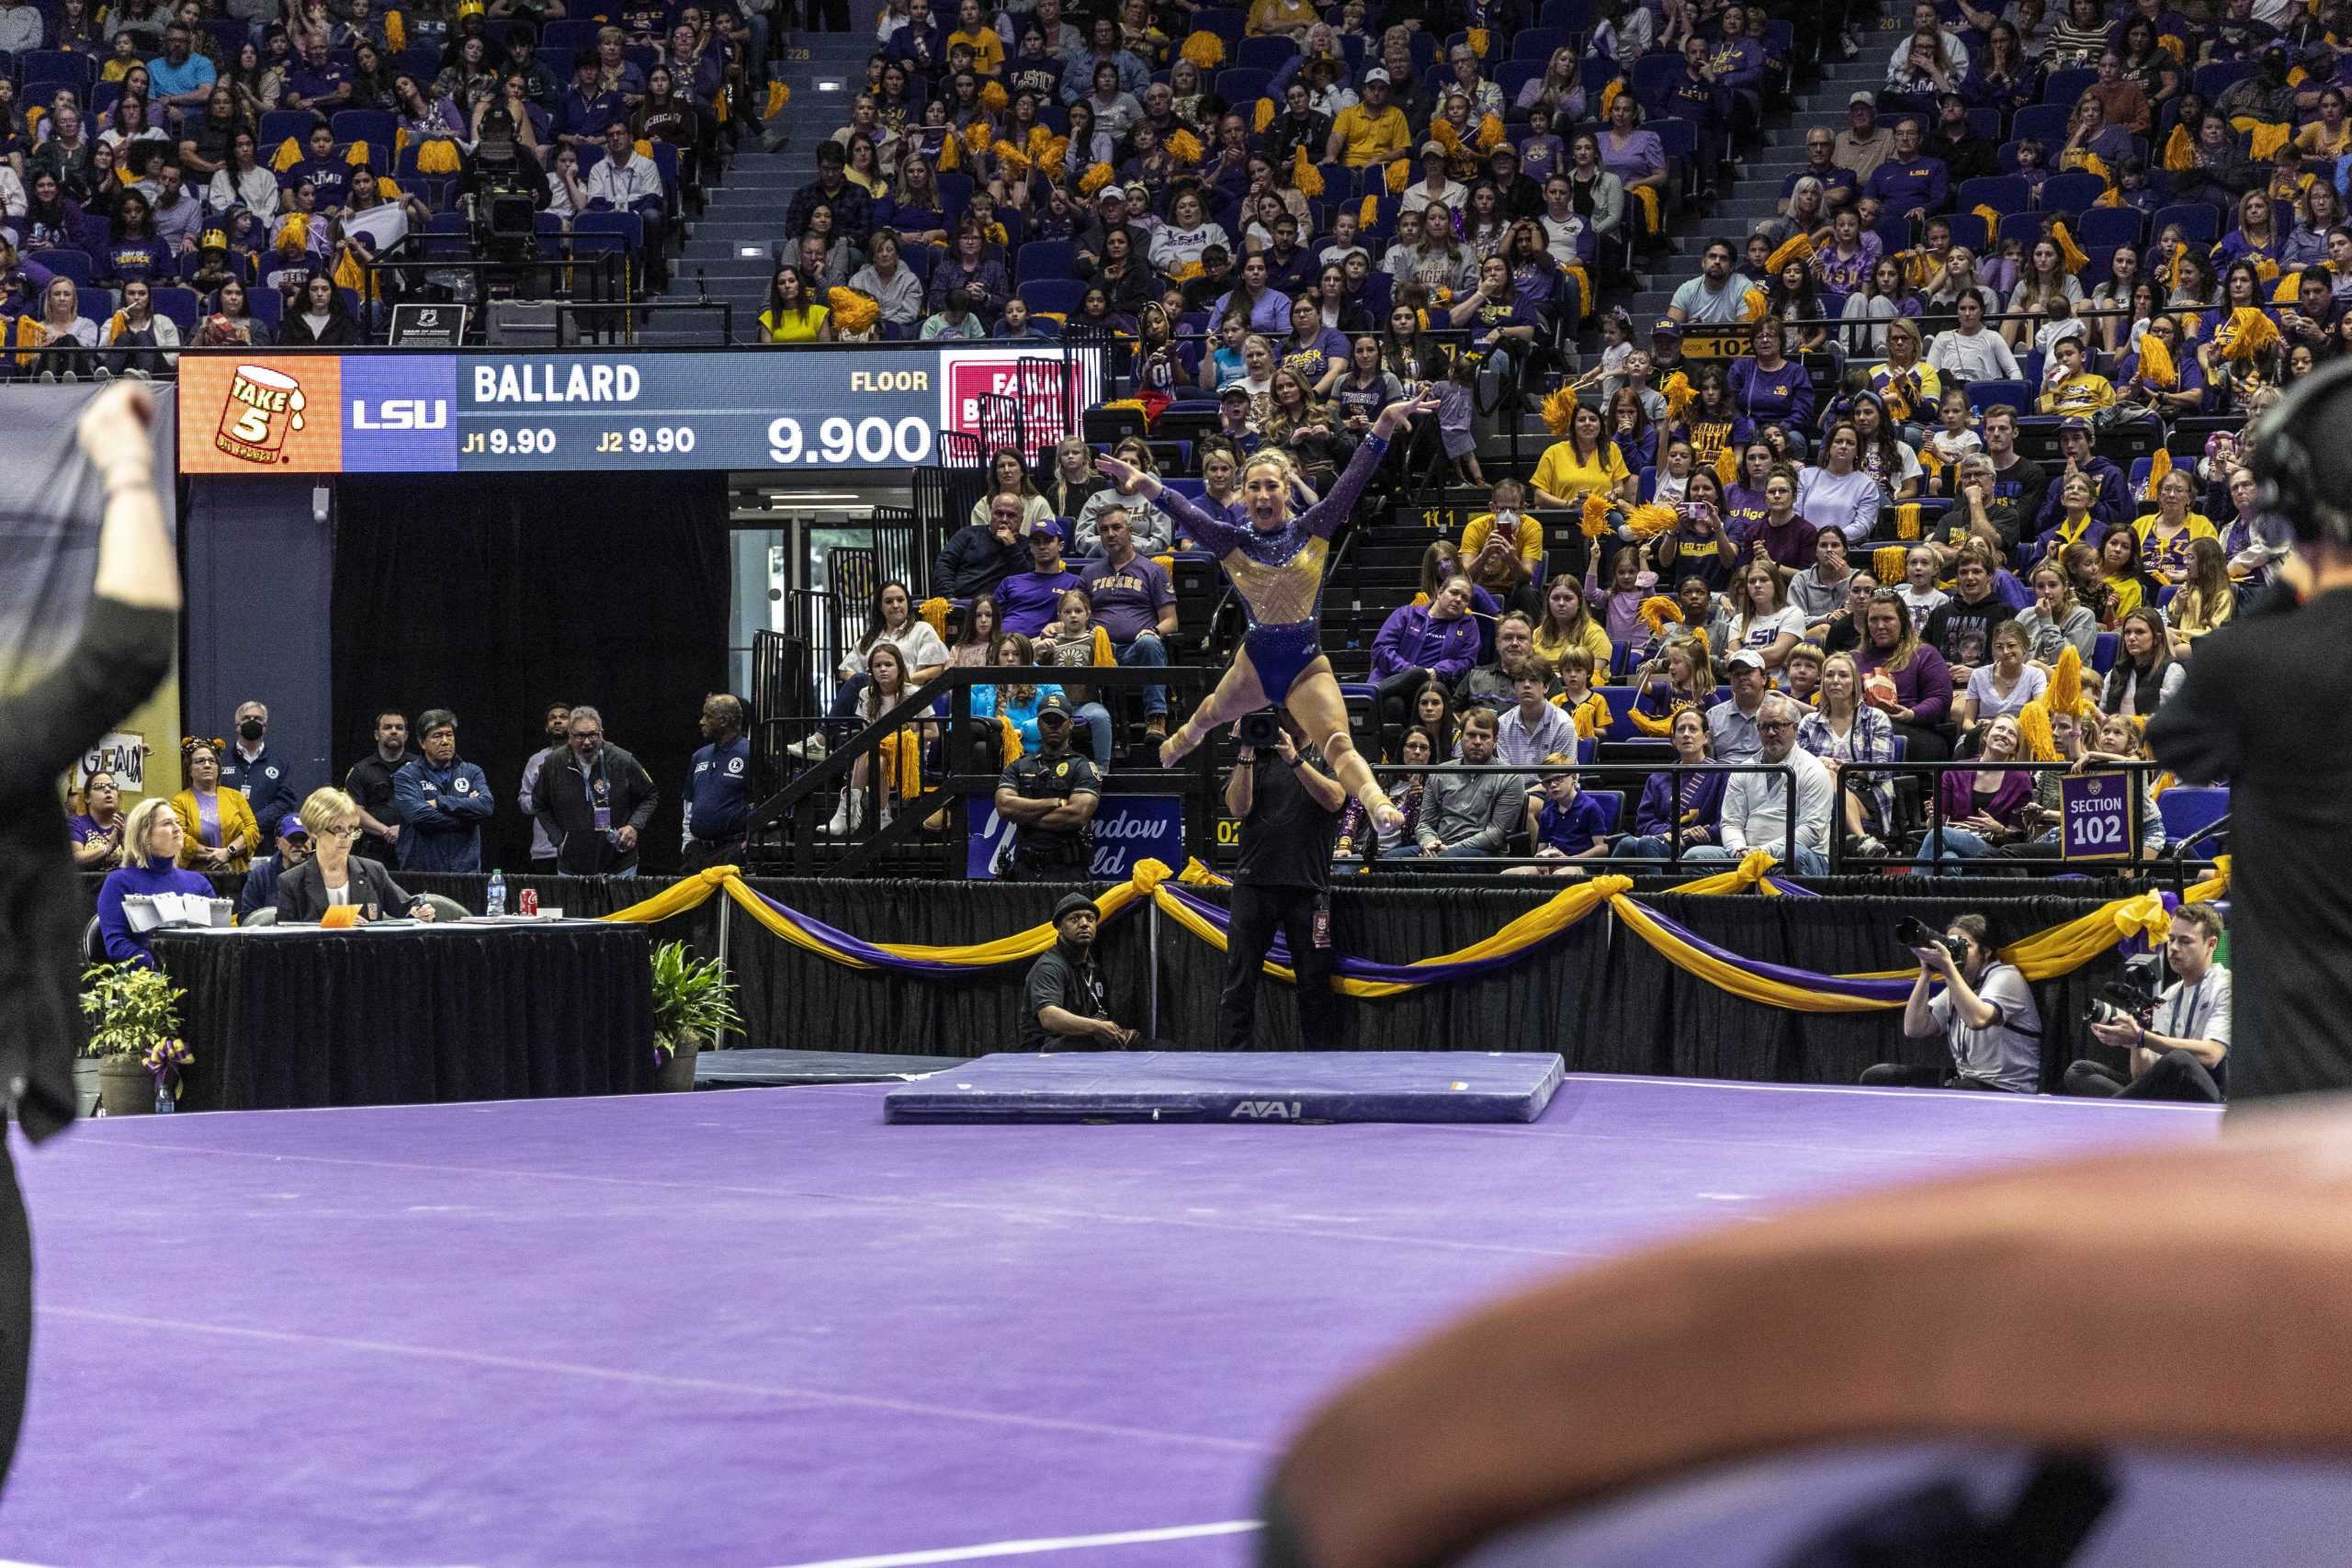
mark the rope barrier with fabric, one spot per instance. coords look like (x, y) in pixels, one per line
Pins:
(2043, 956)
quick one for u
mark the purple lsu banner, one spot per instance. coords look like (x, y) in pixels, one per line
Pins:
(1127, 829)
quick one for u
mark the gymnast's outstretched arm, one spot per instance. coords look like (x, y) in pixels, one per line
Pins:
(1220, 534)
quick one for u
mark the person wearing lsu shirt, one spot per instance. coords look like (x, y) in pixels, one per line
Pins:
(2067, 390)
(1910, 184)
(1371, 131)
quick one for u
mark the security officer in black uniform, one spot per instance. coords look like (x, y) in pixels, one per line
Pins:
(1289, 810)
(1065, 1005)
(1049, 796)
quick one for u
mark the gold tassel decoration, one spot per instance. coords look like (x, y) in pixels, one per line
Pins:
(1263, 116)
(2180, 149)
(1907, 519)
(1367, 212)
(1479, 41)
(1887, 562)
(1560, 411)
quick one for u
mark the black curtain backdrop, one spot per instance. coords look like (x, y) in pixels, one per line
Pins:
(1598, 995)
(498, 596)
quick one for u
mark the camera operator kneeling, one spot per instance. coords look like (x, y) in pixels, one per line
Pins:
(1985, 1013)
(2179, 1045)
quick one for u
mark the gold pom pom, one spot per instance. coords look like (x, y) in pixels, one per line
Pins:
(1399, 176)
(1727, 466)
(1660, 611)
(1490, 133)
(1560, 411)
(1652, 519)
(853, 309)
(977, 135)
(1678, 393)
(992, 96)
(1185, 148)
(1479, 41)
(1205, 50)
(1095, 178)
(2065, 694)
(2033, 725)
(1595, 521)
(1303, 175)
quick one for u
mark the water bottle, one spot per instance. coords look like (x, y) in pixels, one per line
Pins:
(166, 1102)
(497, 893)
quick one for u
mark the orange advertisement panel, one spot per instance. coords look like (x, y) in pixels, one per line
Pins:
(261, 413)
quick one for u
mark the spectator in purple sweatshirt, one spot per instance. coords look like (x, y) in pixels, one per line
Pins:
(1904, 678)
(1768, 388)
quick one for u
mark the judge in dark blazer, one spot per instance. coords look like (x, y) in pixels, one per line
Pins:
(334, 875)
(50, 718)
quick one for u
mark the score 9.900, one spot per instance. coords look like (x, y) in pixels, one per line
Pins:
(872, 441)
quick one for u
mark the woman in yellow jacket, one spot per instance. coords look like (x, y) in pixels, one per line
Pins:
(217, 827)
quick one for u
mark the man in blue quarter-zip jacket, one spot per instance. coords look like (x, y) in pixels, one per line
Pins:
(719, 788)
(442, 802)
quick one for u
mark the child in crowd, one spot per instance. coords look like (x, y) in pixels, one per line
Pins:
(2132, 189)
(1564, 823)
(1344, 242)
(1586, 707)
(1999, 273)
(1070, 643)
(1620, 603)
(1616, 348)
(1954, 436)
(1673, 482)
(1542, 153)
(2033, 167)
(1919, 592)
(1456, 402)
(2058, 322)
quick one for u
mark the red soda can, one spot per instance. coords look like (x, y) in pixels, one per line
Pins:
(530, 901)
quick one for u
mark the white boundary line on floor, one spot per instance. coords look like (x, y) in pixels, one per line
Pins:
(925, 1201)
(1030, 1548)
(1956, 1095)
(661, 1380)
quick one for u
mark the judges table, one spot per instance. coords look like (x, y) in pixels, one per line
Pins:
(405, 1013)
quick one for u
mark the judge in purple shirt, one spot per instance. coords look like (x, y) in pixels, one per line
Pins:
(1904, 678)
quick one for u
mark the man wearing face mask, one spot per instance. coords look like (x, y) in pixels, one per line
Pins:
(594, 800)
(267, 783)
(559, 727)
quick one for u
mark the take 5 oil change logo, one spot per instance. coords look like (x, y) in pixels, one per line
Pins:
(258, 414)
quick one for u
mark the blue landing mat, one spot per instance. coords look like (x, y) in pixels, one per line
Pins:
(1249, 1086)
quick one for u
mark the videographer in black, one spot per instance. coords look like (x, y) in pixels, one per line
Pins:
(1985, 1013)
(1289, 810)
(2179, 1039)
(2245, 714)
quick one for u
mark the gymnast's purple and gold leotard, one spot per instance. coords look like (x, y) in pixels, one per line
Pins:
(1279, 574)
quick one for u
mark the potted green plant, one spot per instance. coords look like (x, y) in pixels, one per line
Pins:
(134, 1014)
(692, 1002)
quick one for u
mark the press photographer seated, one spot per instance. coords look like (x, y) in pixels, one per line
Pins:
(2177, 1042)
(1985, 1013)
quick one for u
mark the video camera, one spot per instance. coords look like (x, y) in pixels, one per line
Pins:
(1912, 931)
(1262, 730)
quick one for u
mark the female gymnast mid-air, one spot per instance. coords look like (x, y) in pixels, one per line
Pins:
(1276, 561)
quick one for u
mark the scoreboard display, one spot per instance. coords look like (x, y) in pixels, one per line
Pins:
(811, 409)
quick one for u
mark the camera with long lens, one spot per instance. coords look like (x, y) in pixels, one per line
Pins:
(1261, 731)
(2119, 1001)
(1912, 931)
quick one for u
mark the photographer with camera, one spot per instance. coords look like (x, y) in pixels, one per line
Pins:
(2179, 1039)
(1985, 1013)
(1289, 810)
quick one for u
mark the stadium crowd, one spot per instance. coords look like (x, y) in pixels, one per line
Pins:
(229, 173)
(1945, 451)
